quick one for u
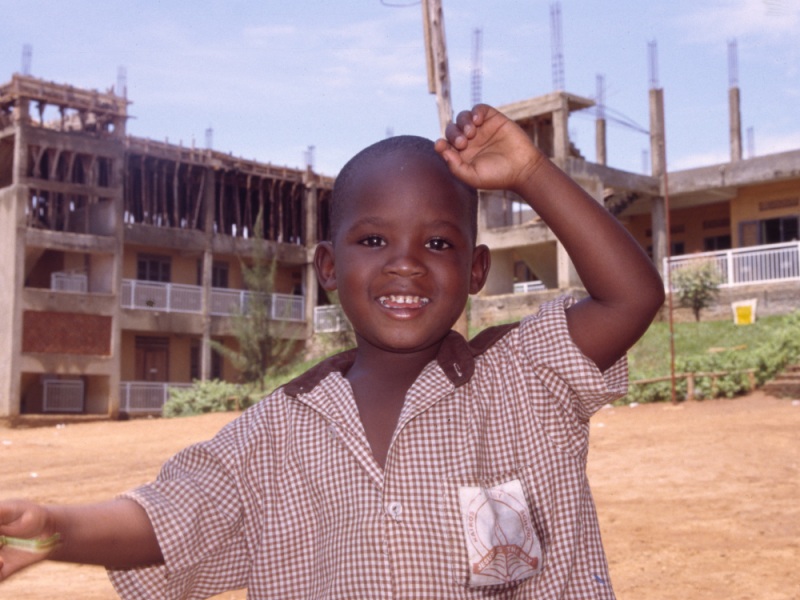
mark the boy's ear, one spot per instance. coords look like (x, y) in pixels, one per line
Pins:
(324, 266)
(481, 261)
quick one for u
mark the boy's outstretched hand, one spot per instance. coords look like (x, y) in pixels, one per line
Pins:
(22, 520)
(486, 150)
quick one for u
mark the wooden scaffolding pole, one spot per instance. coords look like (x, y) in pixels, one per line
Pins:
(436, 58)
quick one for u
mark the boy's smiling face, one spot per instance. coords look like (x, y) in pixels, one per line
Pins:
(404, 257)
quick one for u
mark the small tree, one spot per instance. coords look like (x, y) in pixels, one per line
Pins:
(696, 285)
(262, 350)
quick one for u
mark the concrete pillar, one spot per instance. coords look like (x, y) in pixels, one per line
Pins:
(21, 113)
(600, 142)
(310, 284)
(209, 195)
(566, 274)
(118, 170)
(120, 124)
(658, 223)
(658, 159)
(501, 274)
(735, 124)
(561, 131)
(12, 267)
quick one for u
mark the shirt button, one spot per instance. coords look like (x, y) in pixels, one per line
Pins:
(394, 509)
(333, 431)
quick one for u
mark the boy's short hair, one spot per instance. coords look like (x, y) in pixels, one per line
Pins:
(411, 144)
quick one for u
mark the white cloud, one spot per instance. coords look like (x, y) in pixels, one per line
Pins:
(768, 144)
(725, 19)
(771, 144)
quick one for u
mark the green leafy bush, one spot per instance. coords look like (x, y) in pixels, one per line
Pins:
(221, 396)
(696, 285)
(207, 397)
(767, 348)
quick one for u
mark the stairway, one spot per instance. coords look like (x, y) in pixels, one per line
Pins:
(785, 385)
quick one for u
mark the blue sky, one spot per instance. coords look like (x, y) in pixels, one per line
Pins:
(274, 77)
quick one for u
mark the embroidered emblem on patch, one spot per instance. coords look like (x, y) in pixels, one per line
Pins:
(501, 542)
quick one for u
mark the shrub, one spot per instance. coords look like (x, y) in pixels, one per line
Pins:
(696, 285)
(207, 397)
(221, 396)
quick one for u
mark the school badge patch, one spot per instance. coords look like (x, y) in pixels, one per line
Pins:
(501, 542)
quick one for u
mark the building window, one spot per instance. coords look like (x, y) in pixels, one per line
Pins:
(153, 267)
(195, 359)
(219, 274)
(522, 272)
(770, 231)
(717, 242)
(782, 229)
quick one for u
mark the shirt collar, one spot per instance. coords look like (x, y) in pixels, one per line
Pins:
(456, 358)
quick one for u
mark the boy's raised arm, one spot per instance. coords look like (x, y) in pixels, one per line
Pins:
(116, 534)
(488, 151)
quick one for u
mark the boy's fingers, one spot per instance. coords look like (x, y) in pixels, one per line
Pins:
(14, 562)
(455, 136)
(480, 112)
(466, 123)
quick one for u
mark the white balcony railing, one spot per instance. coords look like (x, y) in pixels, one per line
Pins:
(330, 319)
(287, 307)
(175, 297)
(63, 395)
(145, 396)
(744, 266)
(69, 281)
(228, 302)
(529, 286)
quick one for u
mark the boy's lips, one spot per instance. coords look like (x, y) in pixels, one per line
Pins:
(403, 301)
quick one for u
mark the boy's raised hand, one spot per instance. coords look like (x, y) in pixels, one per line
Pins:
(487, 150)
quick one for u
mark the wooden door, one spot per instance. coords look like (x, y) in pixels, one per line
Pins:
(152, 359)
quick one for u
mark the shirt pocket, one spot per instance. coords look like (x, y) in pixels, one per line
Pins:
(492, 532)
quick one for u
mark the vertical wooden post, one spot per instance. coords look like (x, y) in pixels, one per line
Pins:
(439, 84)
(436, 55)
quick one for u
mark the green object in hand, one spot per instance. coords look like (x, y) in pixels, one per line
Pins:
(30, 545)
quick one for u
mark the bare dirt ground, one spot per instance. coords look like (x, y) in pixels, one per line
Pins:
(699, 500)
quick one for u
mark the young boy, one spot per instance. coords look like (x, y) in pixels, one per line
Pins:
(415, 465)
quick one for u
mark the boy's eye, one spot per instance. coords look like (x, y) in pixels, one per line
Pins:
(438, 244)
(373, 241)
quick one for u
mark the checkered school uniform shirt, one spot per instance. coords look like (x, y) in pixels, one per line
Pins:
(484, 492)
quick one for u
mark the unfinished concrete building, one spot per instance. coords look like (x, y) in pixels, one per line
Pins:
(120, 257)
(743, 216)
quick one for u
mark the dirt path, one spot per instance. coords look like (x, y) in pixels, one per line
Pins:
(695, 501)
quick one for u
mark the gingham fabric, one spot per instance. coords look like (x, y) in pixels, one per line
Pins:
(288, 501)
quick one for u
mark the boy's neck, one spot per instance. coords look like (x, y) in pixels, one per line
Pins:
(380, 380)
(395, 369)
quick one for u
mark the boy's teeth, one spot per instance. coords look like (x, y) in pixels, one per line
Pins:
(398, 299)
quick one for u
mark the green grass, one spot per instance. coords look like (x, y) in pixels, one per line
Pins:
(765, 347)
(650, 357)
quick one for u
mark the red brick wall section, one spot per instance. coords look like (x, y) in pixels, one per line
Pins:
(66, 333)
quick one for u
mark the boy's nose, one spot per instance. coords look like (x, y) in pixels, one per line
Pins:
(404, 264)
